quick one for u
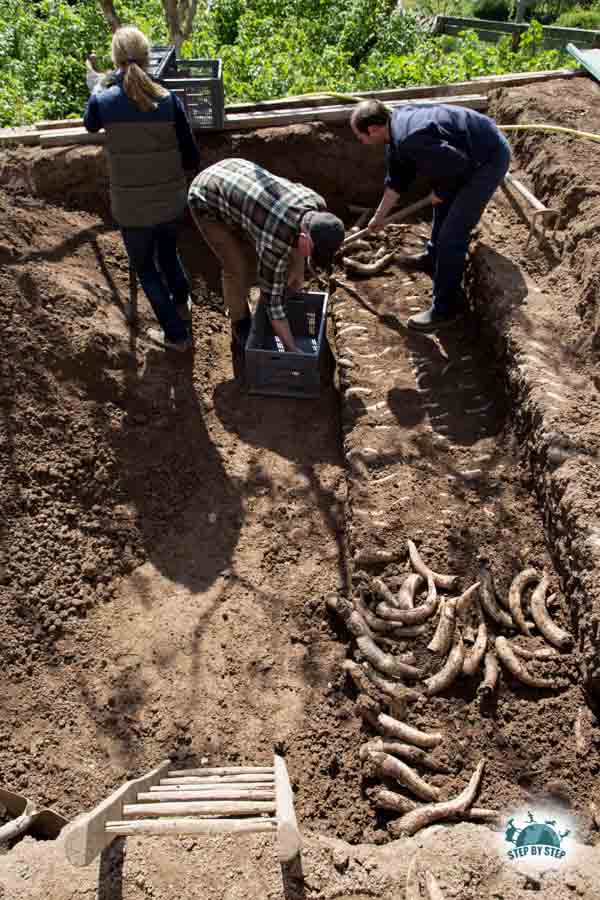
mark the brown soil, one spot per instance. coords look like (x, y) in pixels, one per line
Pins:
(168, 541)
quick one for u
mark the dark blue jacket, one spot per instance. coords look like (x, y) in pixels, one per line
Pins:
(443, 143)
(147, 153)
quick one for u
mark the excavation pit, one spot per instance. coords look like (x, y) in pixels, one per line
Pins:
(169, 541)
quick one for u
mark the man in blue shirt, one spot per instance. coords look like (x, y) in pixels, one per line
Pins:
(465, 158)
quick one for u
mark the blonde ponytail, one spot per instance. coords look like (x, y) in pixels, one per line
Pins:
(131, 48)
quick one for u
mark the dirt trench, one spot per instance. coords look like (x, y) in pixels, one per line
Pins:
(169, 541)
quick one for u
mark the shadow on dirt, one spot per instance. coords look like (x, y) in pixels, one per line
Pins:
(188, 511)
(292, 876)
(110, 871)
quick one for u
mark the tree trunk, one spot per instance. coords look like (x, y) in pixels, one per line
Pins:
(110, 15)
(180, 16)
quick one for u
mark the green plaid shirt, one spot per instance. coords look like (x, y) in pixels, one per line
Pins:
(267, 208)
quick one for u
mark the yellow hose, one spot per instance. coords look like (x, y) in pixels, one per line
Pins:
(349, 98)
(557, 128)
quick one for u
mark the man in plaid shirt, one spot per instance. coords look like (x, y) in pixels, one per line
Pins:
(258, 224)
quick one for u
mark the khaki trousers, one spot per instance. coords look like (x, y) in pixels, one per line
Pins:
(238, 260)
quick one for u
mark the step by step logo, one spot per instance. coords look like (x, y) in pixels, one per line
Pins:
(541, 837)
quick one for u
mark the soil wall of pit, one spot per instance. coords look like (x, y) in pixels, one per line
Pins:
(326, 158)
(538, 301)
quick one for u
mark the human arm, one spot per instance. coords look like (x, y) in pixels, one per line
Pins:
(190, 155)
(295, 281)
(386, 204)
(93, 73)
(92, 118)
(273, 278)
(281, 329)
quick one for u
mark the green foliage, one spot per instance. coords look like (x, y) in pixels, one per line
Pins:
(578, 17)
(495, 10)
(269, 48)
(440, 7)
(226, 16)
(43, 47)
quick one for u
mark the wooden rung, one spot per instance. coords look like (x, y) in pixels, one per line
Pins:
(224, 770)
(216, 779)
(191, 826)
(194, 808)
(215, 786)
(223, 794)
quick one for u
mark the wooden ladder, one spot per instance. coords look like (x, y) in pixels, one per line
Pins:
(229, 799)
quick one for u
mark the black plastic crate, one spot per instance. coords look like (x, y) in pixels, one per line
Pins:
(273, 371)
(199, 85)
(162, 61)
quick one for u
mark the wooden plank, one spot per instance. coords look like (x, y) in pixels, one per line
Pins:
(548, 42)
(483, 34)
(28, 139)
(191, 826)
(289, 841)
(482, 83)
(86, 837)
(454, 24)
(72, 136)
(465, 23)
(200, 808)
(568, 34)
(217, 784)
(223, 770)
(64, 137)
(222, 794)
(332, 113)
(49, 124)
(216, 779)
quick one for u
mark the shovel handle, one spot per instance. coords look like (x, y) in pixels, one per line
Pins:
(395, 217)
(16, 827)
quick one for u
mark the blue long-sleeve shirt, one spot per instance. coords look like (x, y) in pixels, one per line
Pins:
(441, 142)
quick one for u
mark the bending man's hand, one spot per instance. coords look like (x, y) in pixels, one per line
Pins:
(281, 328)
(295, 285)
(376, 223)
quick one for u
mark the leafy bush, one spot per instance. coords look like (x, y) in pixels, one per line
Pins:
(43, 47)
(578, 17)
(269, 48)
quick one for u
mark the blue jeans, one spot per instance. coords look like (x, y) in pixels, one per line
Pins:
(453, 221)
(153, 254)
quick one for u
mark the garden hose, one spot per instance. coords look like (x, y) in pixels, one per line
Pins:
(535, 126)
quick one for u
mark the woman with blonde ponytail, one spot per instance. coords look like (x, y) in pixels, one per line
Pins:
(149, 147)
